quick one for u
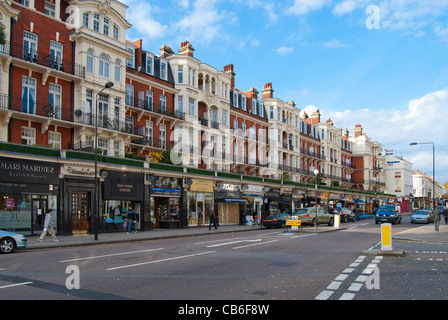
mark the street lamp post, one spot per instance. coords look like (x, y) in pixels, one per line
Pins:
(433, 170)
(316, 172)
(108, 85)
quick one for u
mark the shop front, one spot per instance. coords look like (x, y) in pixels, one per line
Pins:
(276, 203)
(122, 191)
(254, 196)
(200, 202)
(298, 199)
(28, 189)
(165, 202)
(230, 203)
(77, 197)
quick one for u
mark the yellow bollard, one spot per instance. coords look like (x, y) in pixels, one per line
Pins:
(386, 237)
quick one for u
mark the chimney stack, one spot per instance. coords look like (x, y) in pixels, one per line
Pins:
(229, 70)
(358, 131)
(315, 117)
(268, 92)
(166, 51)
(186, 48)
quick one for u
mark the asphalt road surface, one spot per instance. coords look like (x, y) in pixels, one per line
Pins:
(261, 265)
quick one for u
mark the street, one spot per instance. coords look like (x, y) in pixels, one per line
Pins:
(253, 265)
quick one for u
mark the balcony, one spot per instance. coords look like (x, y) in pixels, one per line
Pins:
(107, 123)
(43, 59)
(31, 107)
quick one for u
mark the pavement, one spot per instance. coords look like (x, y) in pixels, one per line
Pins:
(424, 233)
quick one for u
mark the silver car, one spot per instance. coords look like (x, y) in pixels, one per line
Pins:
(422, 216)
(308, 216)
(9, 241)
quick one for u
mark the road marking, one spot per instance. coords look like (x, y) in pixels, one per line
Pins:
(15, 285)
(334, 285)
(355, 287)
(162, 260)
(347, 296)
(341, 277)
(306, 235)
(324, 295)
(348, 270)
(111, 255)
(255, 244)
(1, 269)
(233, 242)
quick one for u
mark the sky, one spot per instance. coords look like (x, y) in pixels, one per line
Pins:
(382, 64)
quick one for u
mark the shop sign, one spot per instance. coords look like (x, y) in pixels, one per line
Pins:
(29, 172)
(123, 186)
(78, 170)
(202, 185)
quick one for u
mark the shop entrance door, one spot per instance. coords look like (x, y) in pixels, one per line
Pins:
(39, 208)
(200, 206)
(80, 212)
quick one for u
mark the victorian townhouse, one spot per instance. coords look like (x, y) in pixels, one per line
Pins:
(249, 130)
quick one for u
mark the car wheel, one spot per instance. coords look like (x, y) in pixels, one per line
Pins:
(313, 222)
(331, 222)
(7, 245)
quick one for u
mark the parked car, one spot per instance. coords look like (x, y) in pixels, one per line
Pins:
(422, 216)
(9, 241)
(276, 221)
(387, 213)
(308, 216)
(345, 214)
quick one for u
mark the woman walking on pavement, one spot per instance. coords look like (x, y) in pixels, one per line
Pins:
(212, 220)
(48, 227)
(437, 218)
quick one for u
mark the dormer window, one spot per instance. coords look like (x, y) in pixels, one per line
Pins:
(130, 63)
(149, 64)
(163, 70)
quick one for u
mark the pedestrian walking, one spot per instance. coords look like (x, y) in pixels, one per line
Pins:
(131, 220)
(48, 227)
(212, 220)
(445, 214)
(436, 218)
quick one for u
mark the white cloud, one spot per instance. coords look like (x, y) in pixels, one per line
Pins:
(345, 7)
(301, 7)
(334, 43)
(140, 15)
(283, 51)
(425, 120)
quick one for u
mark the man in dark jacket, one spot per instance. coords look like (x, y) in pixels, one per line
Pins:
(437, 218)
(212, 220)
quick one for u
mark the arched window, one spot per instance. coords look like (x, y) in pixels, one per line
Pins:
(104, 66)
(90, 61)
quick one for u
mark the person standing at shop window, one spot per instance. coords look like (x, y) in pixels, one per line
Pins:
(213, 219)
(48, 227)
(131, 220)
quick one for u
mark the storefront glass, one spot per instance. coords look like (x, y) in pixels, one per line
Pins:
(199, 206)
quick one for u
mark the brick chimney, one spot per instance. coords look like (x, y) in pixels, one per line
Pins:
(329, 121)
(252, 93)
(229, 70)
(268, 92)
(315, 117)
(358, 131)
(186, 48)
(166, 51)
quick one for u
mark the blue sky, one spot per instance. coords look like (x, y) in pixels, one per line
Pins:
(392, 79)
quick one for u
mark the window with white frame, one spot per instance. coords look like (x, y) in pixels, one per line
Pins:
(117, 148)
(54, 139)
(191, 103)
(49, 9)
(163, 70)
(85, 19)
(103, 144)
(224, 117)
(30, 41)
(28, 95)
(261, 109)
(149, 133)
(129, 94)
(28, 136)
(106, 27)
(96, 22)
(117, 70)
(130, 62)
(104, 66)
(149, 100)
(55, 101)
(180, 106)
(162, 103)
(162, 135)
(56, 54)
(90, 61)
(180, 74)
(149, 64)
(116, 33)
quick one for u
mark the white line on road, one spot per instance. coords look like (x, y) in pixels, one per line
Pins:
(324, 295)
(256, 244)
(232, 242)
(162, 260)
(15, 285)
(111, 255)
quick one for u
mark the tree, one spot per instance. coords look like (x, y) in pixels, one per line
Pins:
(2, 35)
